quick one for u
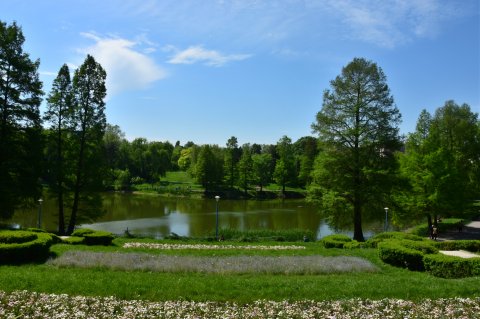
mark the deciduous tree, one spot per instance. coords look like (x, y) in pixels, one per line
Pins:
(89, 117)
(358, 129)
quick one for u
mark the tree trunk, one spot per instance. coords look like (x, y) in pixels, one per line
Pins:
(357, 222)
(78, 183)
(61, 215)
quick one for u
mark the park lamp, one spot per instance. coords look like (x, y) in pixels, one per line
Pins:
(39, 217)
(217, 199)
(386, 218)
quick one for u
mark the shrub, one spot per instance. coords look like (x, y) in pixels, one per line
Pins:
(82, 231)
(16, 236)
(99, 238)
(74, 240)
(373, 242)
(288, 235)
(22, 246)
(353, 244)
(335, 241)
(425, 247)
(451, 266)
(469, 245)
(94, 237)
(395, 253)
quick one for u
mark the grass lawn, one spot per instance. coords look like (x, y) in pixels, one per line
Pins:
(387, 282)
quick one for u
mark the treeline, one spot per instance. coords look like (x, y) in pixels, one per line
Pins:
(214, 167)
(358, 164)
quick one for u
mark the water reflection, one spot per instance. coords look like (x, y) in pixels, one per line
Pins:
(159, 216)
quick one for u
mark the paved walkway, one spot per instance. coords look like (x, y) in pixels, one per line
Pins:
(469, 231)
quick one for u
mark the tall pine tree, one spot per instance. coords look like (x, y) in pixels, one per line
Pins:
(20, 122)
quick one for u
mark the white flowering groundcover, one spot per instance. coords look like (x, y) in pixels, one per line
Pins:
(25, 304)
(210, 247)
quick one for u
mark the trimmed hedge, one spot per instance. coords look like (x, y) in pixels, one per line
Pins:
(335, 241)
(445, 266)
(94, 237)
(373, 242)
(74, 240)
(395, 253)
(469, 245)
(22, 246)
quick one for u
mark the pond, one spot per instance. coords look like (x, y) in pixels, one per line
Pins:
(158, 217)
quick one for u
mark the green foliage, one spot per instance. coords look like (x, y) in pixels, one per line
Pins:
(395, 253)
(468, 245)
(373, 242)
(16, 236)
(441, 162)
(254, 235)
(451, 266)
(443, 226)
(22, 246)
(358, 132)
(74, 240)
(82, 232)
(20, 122)
(94, 237)
(335, 241)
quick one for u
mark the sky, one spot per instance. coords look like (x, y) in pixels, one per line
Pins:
(203, 71)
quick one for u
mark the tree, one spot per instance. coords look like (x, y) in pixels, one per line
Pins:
(231, 160)
(441, 162)
(305, 150)
(245, 166)
(284, 172)
(208, 167)
(89, 117)
(59, 114)
(20, 122)
(262, 169)
(358, 130)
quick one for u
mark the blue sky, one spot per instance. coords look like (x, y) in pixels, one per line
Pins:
(203, 71)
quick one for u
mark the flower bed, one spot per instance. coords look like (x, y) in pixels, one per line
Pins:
(33, 305)
(209, 247)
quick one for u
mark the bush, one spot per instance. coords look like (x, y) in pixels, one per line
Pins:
(22, 246)
(425, 247)
(82, 231)
(469, 245)
(288, 235)
(99, 238)
(335, 241)
(16, 236)
(73, 240)
(451, 266)
(395, 253)
(353, 244)
(94, 237)
(373, 242)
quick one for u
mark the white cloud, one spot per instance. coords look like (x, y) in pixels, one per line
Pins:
(197, 54)
(127, 68)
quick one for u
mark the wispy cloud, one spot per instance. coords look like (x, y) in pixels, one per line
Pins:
(390, 23)
(197, 54)
(127, 64)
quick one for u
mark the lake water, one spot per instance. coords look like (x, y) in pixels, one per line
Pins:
(160, 216)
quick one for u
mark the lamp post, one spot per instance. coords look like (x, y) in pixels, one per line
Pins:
(386, 218)
(39, 217)
(217, 198)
